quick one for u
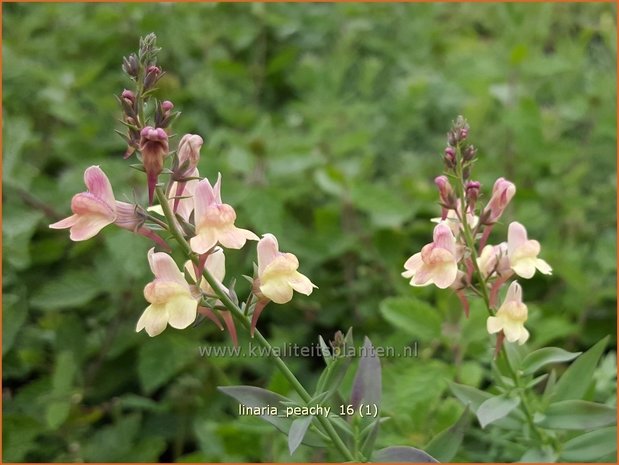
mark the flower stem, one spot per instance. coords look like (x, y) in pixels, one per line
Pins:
(470, 244)
(238, 315)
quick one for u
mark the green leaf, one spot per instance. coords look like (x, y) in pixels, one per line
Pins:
(14, 314)
(578, 415)
(386, 207)
(113, 443)
(162, 357)
(590, 446)
(402, 454)
(298, 428)
(496, 408)
(469, 395)
(17, 229)
(574, 383)
(444, 446)
(542, 357)
(72, 289)
(57, 412)
(416, 317)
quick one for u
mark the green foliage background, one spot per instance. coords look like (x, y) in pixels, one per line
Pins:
(327, 122)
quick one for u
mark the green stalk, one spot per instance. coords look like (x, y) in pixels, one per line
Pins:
(470, 244)
(238, 315)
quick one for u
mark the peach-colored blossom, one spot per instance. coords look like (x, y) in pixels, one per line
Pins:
(437, 263)
(214, 220)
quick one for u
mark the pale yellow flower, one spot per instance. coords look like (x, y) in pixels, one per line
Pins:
(511, 316)
(277, 272)
(523, 253)
(169, 295)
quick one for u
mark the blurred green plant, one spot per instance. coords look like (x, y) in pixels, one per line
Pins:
(329, 118)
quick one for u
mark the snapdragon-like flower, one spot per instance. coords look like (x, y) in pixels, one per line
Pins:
(154, 147)
(502, 193)
(511, 316)
(494, 259)
(97, 208)
(277, 272)
(214, 220)
(170, 297)
(92, 210)
(437, 263)
(523, 252)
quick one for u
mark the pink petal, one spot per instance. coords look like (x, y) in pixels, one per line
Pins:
(99, 185)
(86, 203)
(268, 250)
(217, 189)
(444, 238)
(516, 236)
(88, 226)
(514, 293)
(66, 223)
(412, 265)
(235, 238)
(164, 268)
(203, 198)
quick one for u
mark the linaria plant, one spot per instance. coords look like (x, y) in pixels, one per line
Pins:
(187, 213)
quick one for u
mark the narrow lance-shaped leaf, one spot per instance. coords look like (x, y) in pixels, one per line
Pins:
(297, 432)
(496, 408)
(545, 356)
(590, 446)
(402, 454)
(578, 415)
(573, 384)
(445, 445)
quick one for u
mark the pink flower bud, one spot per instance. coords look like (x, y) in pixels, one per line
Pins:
(167, 106)
(472, 193)
(154, 148)
(446, 194)
(502, 193)
(153, 73)
(128, 95)
(450, 157)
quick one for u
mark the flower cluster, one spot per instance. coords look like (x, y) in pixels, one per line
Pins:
(460, 258)
(190, 208)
